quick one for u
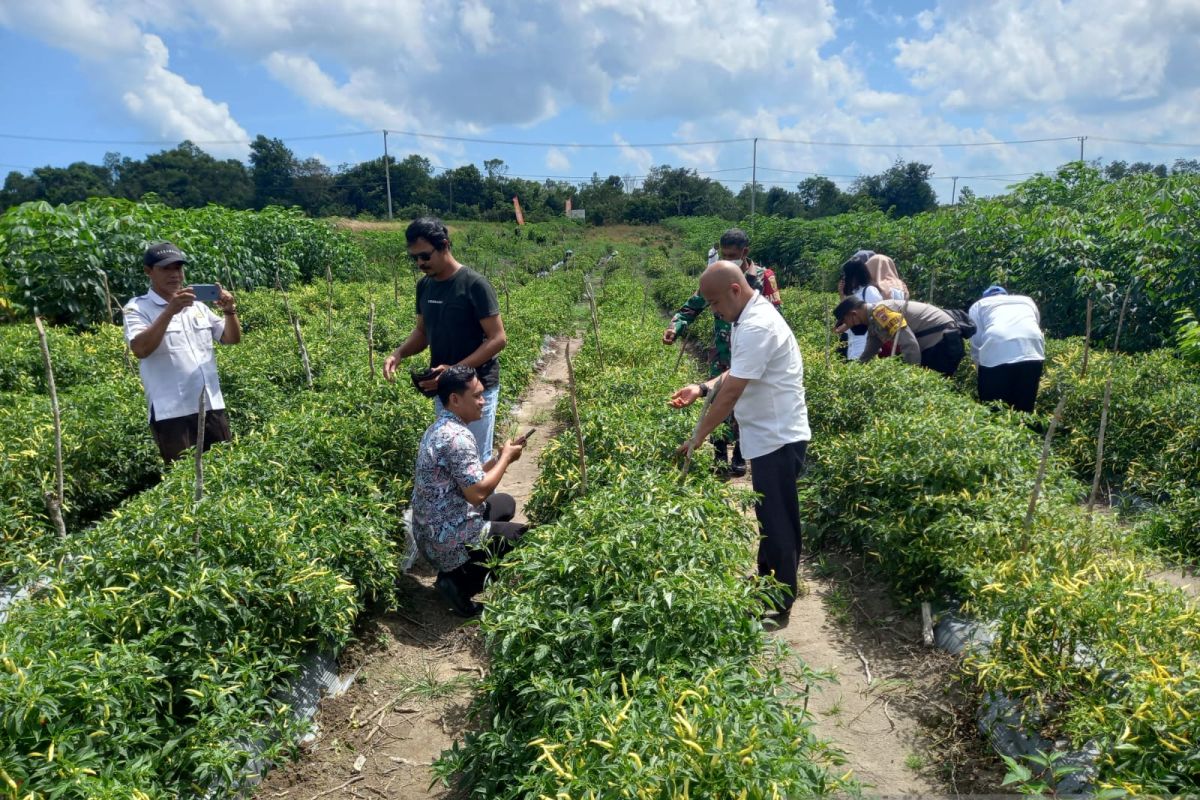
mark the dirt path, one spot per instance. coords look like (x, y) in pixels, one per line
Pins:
(416, 668)
(906, 731)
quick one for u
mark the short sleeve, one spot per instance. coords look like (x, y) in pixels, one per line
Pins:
(136, 320)
(462, 459)
(483, 299)
(749, 358)
(420, 294)
(871, 295)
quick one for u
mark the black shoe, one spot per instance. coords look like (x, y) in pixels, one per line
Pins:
(737, 467)
(461, 605)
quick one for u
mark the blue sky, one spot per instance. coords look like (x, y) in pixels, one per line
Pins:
(872, 79)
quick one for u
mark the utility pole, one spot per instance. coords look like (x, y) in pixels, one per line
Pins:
(1082, 139)
(387, 171)
(753, 181)
(954, 190)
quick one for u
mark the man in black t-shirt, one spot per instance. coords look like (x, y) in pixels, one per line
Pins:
(458, 319)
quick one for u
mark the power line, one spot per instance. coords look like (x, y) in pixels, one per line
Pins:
(911, 146)
(1144, 144)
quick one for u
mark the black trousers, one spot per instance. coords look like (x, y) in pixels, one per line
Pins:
(1014, 384)
(721, 441)
(944, 356)
(177, 434)
(499, 509)
(778, 510)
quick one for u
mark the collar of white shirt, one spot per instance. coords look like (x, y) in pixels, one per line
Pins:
(753, 299)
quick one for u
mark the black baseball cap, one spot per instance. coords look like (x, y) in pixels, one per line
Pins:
(160, 254)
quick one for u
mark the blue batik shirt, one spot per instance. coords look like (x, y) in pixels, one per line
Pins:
(445, 524)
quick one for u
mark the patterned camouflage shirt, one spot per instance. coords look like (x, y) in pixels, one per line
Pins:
(760, 279)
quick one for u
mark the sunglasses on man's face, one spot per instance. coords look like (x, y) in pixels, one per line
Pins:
(423, 257)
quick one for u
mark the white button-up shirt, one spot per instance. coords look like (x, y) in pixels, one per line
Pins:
(183, 362)
(771, 411)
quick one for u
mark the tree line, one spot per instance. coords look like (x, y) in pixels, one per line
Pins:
(187, 177)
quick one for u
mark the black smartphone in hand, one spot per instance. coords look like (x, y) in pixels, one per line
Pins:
(525, 436)
(206, 292)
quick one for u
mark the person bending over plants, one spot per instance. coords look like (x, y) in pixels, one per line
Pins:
(921, 333)
(459, 520)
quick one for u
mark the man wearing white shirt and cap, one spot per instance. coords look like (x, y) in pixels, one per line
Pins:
(172, 335)
(1008, 347)
(764, 387)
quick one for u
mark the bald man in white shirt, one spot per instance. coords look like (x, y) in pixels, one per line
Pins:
(764, 387)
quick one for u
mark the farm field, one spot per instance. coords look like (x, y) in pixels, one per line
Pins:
(620, 653)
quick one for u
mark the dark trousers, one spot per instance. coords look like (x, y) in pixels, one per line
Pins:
(498, 509)
(1014, 384)
(778, 510)
(177, 434)
(944, 356)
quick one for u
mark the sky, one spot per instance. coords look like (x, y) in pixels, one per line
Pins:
(828, 87)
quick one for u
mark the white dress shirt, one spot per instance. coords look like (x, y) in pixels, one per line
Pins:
(183, 362)
(1007, 331)
(771, 411)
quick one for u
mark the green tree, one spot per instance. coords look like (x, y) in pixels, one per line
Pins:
(273, 166)
(818, 196)
(903, 190)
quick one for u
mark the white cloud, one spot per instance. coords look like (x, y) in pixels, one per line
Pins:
(637, 157)
(477, 21)
(1037, 53)
(557, 160)
(132, 66)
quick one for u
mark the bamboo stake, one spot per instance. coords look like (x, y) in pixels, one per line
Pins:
(108, 303)
(54, 502)
(1041, 476)
(595, 321)
(329, 306)
(371, 340)
(304, 350)
(679, 357)
(1087, 339)
(504, 284)
(1104, 408)
(201, 413)
(708, 401)
(395, 283)
(578, 428)
(645, 299)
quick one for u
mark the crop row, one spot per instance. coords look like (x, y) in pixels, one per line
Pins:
(145, 662)
(626, 655)
(934, 489)
(65, 262)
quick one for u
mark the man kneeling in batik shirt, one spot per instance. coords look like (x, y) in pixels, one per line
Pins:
(459, 521)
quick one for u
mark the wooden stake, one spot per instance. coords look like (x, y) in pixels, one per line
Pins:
(371, 340)
(329, 307)
(679, 357)
(1087, 339)
(1041, 476)
(578, 428)
(645, 300)
(1104, 408)
(54, 502)
(595, 321)
(108, 303)
(303, 349)
(395, 282)
(201, 412)
(712, 395)
(927, 624)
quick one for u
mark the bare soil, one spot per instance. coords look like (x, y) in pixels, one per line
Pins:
(416, 667)
(892, 707)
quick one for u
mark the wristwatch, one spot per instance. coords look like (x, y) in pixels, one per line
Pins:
(703, 389)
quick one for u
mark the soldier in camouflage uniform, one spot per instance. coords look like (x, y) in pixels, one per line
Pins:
(735, 247)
